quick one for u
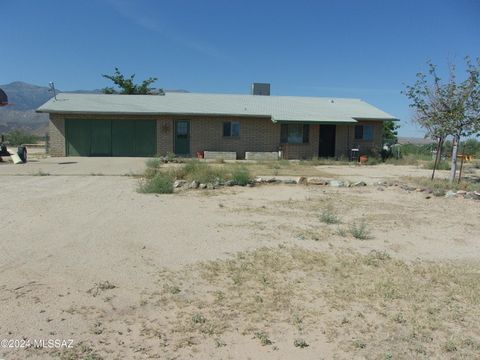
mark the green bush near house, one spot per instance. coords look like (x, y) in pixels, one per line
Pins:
(241, 175)
(160, 183)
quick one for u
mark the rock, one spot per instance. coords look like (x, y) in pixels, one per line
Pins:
(210, 186)
(259, 180)
(472, 195)
(428, 197)
(438, 192)
(229, 183)
(202, 186)
(250, 185)
(272, 180)
(461, 192)
(359, 183)
(216, 184)
(450, 194)
(380, 188)
(419, 190)
(179, 183)
(289, 181)
(301, 180)
(194, 184)
(428, 191)
(336, 183)
(316, 181)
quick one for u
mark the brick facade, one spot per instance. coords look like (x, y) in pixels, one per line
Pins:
(206, 134)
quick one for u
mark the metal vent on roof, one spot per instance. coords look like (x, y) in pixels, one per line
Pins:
(261, 89)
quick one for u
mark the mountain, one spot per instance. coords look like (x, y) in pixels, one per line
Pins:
(24, 99)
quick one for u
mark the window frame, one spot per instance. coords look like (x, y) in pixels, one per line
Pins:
(365, 135)
(285, 134)
(228, 129)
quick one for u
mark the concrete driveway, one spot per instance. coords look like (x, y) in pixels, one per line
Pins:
(76, 166)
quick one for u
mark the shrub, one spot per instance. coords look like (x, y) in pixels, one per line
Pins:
(329, 217)
(160, 183)
(153, 163)
(201, 172)
(359, 231)
(241, 175)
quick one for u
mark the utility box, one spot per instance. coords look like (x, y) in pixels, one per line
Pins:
(261, 89)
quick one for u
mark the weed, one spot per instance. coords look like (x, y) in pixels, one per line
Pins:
(360, 231)
(41, 173)
(220, 343)
(442, 165)
(300, 343)
(241, 175)
(450, 346)
(329, 217)
(172, 289)
(80, 352)
(198, 319)
(160, 183)
(153, 163)
(359, 344)
(100, 287)
(263, 337)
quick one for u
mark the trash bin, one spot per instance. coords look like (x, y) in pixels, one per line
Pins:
(22, 153)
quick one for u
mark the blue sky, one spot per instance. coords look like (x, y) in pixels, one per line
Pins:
(363, 49)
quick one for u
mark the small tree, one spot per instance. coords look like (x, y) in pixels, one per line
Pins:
(390, 130)
(447, 108)
(127, 86)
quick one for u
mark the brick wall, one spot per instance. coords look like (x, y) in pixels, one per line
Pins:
(56, 134)
(206, 134)
(345, 139)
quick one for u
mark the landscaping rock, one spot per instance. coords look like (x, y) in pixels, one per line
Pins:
(289, 181)
(202, 186)
(259, 180)
(194, 184)
(380, 188)
(336, 183)
(210, 186)
(473, 195)
(450, 194)
(316, 181)
(216, 184)
(359, 183)
(179, 183)
(461, 192)
(229, 183)
(302, 180)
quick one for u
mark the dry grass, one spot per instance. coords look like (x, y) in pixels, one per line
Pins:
(367, 305)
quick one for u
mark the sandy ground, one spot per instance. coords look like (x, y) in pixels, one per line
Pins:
(61, 235)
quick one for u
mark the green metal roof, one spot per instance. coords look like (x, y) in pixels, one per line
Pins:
(278, 108)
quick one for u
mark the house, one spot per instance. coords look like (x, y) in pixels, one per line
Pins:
(191, 123)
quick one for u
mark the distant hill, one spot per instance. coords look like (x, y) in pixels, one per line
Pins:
(25, 98)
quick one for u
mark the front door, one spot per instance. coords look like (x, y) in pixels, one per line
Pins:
(326, 147)
(182, 137)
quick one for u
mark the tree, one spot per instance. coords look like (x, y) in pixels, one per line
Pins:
(20, 137)
(448, 108)
(390, 130)
(127, 86)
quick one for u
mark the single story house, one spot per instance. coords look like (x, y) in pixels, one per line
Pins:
(189, 123)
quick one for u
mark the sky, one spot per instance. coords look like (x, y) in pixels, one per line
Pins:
(362, 49)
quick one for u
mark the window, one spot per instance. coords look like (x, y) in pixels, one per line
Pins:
(294, 133)
(231, 128)
(363, 132)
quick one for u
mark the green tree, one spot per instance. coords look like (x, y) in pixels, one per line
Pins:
(447, 108)
(390, 130)
(127, 86)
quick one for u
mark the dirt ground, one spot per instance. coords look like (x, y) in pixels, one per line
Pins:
(88, 258)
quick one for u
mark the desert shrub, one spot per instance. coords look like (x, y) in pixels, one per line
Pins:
(329, 217)
(153, 163)
(241, 175)
(160, 183)
(201, 172)
(360, 231)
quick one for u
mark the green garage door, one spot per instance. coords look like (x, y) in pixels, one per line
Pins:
(110, 137)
